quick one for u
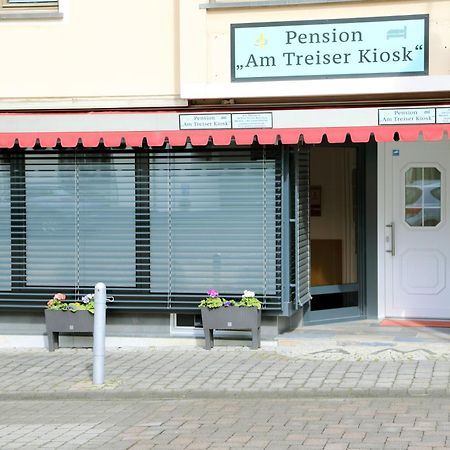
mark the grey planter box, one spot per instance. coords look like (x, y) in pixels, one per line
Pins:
(231, 318)
(66, 322)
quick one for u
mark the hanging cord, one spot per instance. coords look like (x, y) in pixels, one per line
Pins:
(169, 227)
(264, 226)
(77, 228)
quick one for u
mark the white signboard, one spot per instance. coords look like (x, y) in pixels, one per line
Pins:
(443, 115)
(368, 46)
(205, 121)
(252, 120)
(225, 121)
(406, 116)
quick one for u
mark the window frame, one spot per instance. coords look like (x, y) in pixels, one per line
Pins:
(226, 4)
(423, 227)
(30, 4)
(30, 9)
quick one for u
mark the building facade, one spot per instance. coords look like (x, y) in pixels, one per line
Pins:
(297, 149)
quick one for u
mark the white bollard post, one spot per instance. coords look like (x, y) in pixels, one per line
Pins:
(99, 333)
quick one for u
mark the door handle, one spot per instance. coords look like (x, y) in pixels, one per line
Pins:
(392, 227)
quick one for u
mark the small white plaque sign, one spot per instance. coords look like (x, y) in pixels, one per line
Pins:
(252, 120)
(204, 121)
(443, 115)
(406, 116)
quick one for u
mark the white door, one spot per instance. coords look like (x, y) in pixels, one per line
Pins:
(417, 232)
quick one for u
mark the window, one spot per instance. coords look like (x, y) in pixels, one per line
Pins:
(80, 220)
(159, 228)
(30, 3)
(423, 196)
(212, 223)
(217, 4)
(5, 225)
(17, 8)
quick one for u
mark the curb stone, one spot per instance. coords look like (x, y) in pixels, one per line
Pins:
(335, 393)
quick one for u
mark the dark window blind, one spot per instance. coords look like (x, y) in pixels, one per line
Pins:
(303, 252)
(106, 221)
(158, 227)
(212, 223)
(5, 225)
(80, 220)
(50, 221)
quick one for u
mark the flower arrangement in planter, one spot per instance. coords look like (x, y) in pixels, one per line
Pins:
(58, 303)
(213, 301)
(221, 314)
(62, 316)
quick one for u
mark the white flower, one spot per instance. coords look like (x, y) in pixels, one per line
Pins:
(88, 298)
(248, 294)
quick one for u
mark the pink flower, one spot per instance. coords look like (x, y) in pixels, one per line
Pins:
(213, 293)
(59, 296)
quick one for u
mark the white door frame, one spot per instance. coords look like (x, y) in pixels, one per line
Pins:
(384, 185)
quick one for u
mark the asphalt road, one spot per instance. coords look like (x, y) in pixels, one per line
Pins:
(277, 424)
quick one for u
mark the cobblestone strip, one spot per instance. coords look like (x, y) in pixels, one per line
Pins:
(178, 371)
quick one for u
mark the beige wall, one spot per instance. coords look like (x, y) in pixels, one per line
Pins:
(101, 53)
(205, 39)
(161, 53)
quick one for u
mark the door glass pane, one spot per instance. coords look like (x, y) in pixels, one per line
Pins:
(431, 175)
(423, 196)
(432, 216)
(413, 196)
(436, 193)
(432, 197)
(413, 216)
(414, 176)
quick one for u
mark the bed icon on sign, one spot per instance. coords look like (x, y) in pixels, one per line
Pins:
(396, 33)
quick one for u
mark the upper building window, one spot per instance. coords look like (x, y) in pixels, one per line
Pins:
(218, 4)
(30, 2)
(19, 5)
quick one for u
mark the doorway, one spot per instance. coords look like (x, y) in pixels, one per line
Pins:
(336, 236)
(417, 230)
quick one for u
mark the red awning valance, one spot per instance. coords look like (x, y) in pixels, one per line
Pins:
(434, 132)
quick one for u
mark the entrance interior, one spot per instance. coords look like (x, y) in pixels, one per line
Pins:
(335, 236)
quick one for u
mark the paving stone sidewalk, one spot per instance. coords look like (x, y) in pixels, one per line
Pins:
(227, 424)
(221, 372)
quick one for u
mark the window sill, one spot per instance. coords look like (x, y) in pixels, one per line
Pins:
(265, 3)
(30, 15)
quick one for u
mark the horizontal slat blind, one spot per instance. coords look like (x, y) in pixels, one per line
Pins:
(303, 224)
(210, 227)
(50, 221)
(158, 229)
(106, 221)
(5, 225)
(80, 221)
